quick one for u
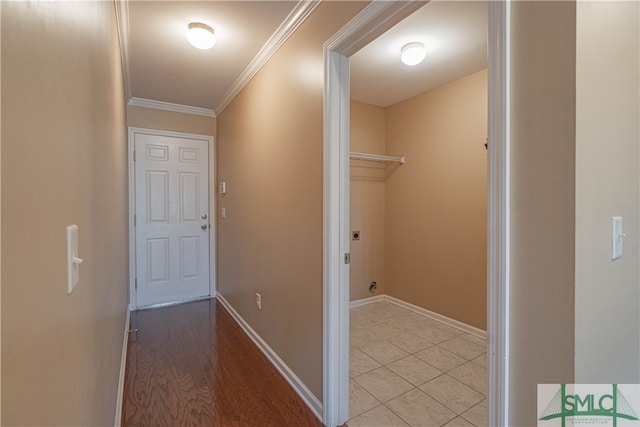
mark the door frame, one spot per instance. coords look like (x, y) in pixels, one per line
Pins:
(132, 206)
(372, 21)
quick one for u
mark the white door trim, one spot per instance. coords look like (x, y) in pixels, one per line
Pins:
(499, 231)
(368, 24)
(132, 207)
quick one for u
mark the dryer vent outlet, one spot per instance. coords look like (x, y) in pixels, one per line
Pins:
(372, 287)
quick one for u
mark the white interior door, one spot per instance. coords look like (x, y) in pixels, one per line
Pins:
(171, 218)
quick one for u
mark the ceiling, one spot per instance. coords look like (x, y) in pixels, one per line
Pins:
(455, 36)
(164, 67)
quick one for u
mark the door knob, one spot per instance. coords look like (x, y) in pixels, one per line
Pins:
(203, 216)
(204, 226)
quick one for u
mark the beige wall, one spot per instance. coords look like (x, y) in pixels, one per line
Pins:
(151, 118)
(541, 336)
(607, 136)
(368, 134)
(436, 203)
(63, 162)
(270, 155)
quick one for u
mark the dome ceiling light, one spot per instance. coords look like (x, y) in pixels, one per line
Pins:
(201, 36)
(412, 53)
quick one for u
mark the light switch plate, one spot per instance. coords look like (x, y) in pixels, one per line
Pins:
(223, 187)
(617, 237)
(73, 267)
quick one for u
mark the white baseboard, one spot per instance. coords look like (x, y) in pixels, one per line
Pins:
(123, 365)
(305, 394)
(439, 317)
(423, 311)
(365, 301)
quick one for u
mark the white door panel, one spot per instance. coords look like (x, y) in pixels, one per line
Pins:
(172, 219)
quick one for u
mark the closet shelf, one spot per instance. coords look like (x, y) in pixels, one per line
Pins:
(376, 158)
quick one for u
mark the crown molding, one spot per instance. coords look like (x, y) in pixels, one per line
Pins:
(122, 21)
(360, 31)
(298, 15)
(168, 106)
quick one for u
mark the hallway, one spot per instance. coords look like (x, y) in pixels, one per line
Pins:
(191, 364)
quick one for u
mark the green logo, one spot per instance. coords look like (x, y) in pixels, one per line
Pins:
(584, 407)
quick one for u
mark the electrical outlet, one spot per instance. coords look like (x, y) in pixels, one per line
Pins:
(259, 301)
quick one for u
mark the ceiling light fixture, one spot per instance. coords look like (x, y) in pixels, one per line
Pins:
(412, 53)
(201, 35)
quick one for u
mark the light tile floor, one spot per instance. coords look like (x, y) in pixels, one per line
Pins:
(407, 369)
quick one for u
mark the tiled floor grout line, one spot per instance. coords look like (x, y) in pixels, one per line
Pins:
(391, 409)
(390, 321)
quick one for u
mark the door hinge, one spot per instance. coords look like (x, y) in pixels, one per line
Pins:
(136, 283)
(347, 258)
(135, 220)
(134, 155)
